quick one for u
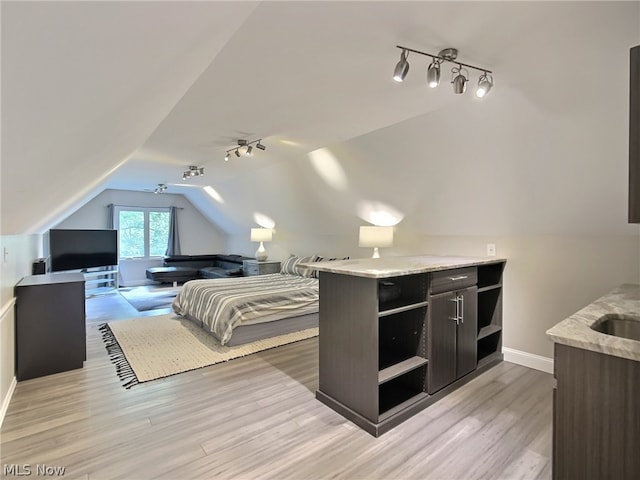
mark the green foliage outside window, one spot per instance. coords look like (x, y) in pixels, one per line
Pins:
(143, 233)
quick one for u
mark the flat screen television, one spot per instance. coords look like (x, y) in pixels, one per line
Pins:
(80, 249)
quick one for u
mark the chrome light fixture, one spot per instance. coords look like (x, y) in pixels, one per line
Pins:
(433, 73)
(193, 172)
(249, 148)
(460, 75)
(485, 82)
(161, 188)
(402, 67)
(458, 79)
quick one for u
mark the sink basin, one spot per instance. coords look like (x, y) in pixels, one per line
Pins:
(618, 325)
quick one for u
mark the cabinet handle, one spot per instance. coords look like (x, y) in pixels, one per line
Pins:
(461, 308)
(459, 277)
(456, 318)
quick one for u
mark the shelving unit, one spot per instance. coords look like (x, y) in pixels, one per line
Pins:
(402, 353)
(100, 280)
(489, 336)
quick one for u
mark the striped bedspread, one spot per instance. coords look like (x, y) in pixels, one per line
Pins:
(224, 303)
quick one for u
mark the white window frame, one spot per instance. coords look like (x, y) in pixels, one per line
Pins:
(146, 211)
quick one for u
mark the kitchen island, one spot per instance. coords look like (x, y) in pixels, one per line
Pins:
(399, 333)
(596, 418)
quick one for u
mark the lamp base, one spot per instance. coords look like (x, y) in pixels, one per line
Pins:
(261, 253)
(376, 254)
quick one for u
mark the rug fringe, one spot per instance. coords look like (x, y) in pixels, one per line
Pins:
(117, 357)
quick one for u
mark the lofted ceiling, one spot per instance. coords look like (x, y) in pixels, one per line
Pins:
(126, 95)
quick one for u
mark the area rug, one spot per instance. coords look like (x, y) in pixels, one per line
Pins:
(144, 298)
(149, 348)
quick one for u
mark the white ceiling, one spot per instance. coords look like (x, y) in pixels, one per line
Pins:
(126, 95)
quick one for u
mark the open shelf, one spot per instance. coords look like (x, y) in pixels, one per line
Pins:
(489, 308)
(488, 330)
(400, 368)
(402, 390)
(100, 280)
(490, 275)
(398, 307)
(409, 291)
(488, 345)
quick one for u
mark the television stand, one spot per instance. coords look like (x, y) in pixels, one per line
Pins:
(100, 280)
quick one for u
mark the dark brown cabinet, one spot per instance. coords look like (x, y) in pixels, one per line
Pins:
(50, 324)
(596, 415)
(390, 347)
(634, 136)
(452, 336)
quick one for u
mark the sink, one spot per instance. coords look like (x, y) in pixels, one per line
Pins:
(619, 325)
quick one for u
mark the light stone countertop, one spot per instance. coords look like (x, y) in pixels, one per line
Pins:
(576, 331)
(385, 267)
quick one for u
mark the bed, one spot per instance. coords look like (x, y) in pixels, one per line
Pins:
(246, 309)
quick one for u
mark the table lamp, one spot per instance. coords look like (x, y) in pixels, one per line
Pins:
(375, 236)
(261, 235)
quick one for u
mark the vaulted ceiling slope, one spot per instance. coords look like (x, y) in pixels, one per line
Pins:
(126, 95)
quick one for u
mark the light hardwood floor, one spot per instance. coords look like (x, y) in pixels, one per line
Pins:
(257, 417)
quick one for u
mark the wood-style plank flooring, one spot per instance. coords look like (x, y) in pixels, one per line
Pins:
(257, 418)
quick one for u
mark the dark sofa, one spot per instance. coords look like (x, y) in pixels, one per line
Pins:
(182, 268)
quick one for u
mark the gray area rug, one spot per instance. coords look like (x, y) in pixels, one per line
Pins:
(144, 298)
(148, 348)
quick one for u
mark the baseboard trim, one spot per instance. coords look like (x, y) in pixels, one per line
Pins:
(529, 360)
(7, 399)
(6, 307)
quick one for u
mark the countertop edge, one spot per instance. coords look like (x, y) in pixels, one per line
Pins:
(576, 331)
(395, 266)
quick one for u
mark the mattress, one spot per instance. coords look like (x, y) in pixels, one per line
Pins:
(221, 306)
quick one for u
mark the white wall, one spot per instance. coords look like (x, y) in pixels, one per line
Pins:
(197, 234)
(17, 252)
(542, 175)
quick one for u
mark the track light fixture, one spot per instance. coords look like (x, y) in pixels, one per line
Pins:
(193, 172)
(485, 82)
(402, 67)
(459, 77)
(433, 73)
(248, 150)
(161, 188)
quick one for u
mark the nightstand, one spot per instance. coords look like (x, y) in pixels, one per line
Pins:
(254, 267)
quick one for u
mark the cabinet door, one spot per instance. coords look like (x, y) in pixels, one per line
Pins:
(466, 343)
(442, 341)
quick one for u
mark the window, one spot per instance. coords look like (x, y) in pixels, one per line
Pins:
(142, 232)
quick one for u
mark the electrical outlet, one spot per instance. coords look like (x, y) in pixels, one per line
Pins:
(491, 249)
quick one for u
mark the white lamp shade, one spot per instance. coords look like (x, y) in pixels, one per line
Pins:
(373, 236)
(261, 234)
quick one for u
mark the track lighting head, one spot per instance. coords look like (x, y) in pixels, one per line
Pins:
(485, 83)
(260, 146)
(237, 153)
(460, 75)
(249, 150)
(160, 188)
(402, 67)
(433, 74)
(226, 157)
(459, 81)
